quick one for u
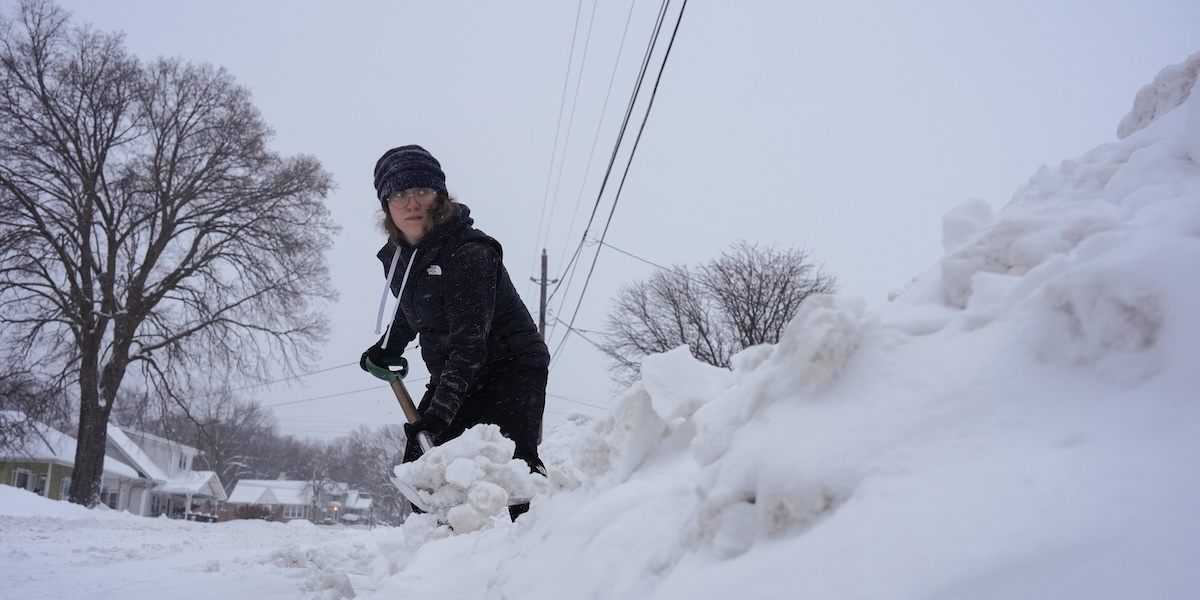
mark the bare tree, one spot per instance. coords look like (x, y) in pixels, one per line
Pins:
(25, 405)
(138, 408)
(227, 431)
(145, 224)
(370, 455)
(745, 297)
(286, 457)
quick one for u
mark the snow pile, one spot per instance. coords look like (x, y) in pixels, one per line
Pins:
(474, 475)
(24, 503)
(322, 571)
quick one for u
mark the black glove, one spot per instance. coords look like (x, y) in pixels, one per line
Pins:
(430, 423)
(377, 354)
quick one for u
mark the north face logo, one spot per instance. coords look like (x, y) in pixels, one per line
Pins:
(434, 270)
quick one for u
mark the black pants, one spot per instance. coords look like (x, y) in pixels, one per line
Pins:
(514, 399)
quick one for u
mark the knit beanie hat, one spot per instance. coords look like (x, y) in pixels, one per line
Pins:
(407, 167)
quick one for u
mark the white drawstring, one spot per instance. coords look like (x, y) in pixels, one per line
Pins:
(387, 283)
(386, 286)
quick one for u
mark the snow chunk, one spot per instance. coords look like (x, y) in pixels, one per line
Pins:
(654, 417)
(678, 384)
(964, 221)
(743, 502)
(463, 471)
(818, 342)
(476, 474)
(1023, 239)
(810, 355)
(1087, 316)
(750, 358)
(614, 446)
(1111, 307)
(1169, 89)
(321, 573)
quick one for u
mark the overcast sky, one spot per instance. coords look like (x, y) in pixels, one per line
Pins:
(849, 128)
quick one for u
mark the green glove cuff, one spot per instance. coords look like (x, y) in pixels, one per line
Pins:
(393, 368)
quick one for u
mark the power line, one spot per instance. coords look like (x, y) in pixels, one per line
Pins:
(290, 402)
(674, 270)
(580, 333)
(616, 147)
(612, 78)
(575, 401)
(327, 396)
(628, 164)
(574, 102)
(558, 126)
(655, 265)
(272, 382)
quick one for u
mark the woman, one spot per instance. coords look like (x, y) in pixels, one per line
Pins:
(486, 360)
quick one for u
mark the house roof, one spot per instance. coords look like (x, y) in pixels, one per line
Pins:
(271, 491)
(356, 500)
(135, 455)
(54, 446)
(194, 483)
(136, 435)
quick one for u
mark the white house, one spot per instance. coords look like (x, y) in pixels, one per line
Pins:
(359, 505)
(283, 500)
(178, 491)
(340, 503)
(286, 500)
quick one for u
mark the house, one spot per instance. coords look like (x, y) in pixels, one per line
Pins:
(341, 503)
(273, 499)
(284, 500)
(143, 474)
(47, 461)
(359, 506)
(178, 491)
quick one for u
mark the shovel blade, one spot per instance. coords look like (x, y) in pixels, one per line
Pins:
(411, 494)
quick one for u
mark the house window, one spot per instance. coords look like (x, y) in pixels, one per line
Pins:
(156, 505)
(66, 489)
(21, 477)
(182, 461)
(293, 511)
(109, 498)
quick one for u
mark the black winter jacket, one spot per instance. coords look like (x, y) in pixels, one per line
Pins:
(461, 301)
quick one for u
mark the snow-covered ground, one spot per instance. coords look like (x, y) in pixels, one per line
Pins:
(1022, 421)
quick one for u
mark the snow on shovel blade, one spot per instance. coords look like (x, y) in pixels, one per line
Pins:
(411, 494)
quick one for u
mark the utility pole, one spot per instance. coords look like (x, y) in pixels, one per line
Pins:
(544, 282)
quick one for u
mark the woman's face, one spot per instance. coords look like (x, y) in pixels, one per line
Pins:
(409, 209)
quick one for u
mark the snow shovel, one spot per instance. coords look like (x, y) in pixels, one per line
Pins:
(393, 371)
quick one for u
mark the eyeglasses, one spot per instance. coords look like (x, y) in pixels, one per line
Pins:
(423, 196)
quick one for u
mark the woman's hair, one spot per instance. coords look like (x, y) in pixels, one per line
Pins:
(439, 212)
